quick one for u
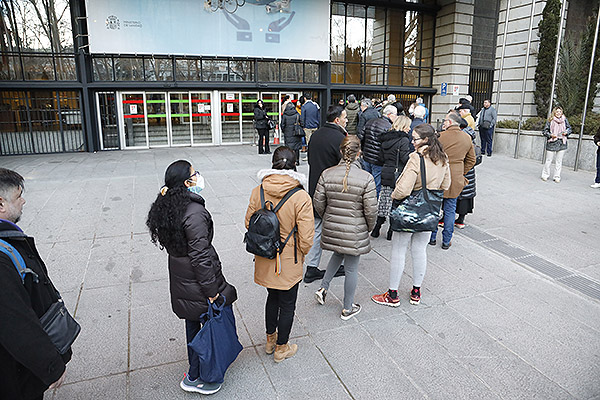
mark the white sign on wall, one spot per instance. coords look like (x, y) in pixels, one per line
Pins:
(229, 107)
(133, 109)
(296, 29)
(200, 108)
(229, 96)
(456, 90)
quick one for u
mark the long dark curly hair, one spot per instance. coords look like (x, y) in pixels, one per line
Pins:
(166, 213)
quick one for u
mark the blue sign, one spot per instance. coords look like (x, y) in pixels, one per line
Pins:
(444, 90)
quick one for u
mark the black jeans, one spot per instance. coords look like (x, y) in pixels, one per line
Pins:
(279, 312)
(263, 134)
(191, 330)
(597, 180)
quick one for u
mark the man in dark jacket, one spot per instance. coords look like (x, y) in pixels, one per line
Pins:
(367, 113)
(323, 152)
(352, 112)
(371, 143)
(29, 361)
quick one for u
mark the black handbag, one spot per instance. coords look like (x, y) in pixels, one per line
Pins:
(60, 326)
(420, 211)
(272, 124)
(298, 130)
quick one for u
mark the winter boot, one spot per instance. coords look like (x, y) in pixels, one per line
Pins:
(271, 342)
(283, 351)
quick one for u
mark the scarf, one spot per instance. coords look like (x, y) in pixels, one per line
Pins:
(558, 127)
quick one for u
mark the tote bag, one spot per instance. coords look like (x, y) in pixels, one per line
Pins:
(216, 344)
(420, 211)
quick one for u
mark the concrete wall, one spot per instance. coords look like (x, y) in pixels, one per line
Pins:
(532, 145)
(453, 33)
(508, 102)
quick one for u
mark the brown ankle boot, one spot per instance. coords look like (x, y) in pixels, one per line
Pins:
(283, 351)
(271, 342)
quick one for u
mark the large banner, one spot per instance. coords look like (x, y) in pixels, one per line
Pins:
(296, 29)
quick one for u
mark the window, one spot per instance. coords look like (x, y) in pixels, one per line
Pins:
(158, 69)
(103, 69)
(129, 69)
(241, 71)
(268, 71)
(291, 72)
(188, 69)
(215, 70)
(311, 73)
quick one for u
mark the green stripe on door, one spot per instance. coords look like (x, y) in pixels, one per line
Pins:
(156, 115)
(271, 101)
(272, 113)
(155, 101)
(178, 101)
(249, 100)
(247, 114)
(180, 115)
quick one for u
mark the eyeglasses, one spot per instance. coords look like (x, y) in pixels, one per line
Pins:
(416, 139)
(196, 173)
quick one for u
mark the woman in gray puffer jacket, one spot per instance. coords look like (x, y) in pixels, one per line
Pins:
(346, 199)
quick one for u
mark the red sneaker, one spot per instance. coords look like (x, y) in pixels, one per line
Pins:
(415, 296)
(386, 300)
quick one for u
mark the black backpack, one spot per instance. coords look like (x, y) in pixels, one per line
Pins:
(263, 237)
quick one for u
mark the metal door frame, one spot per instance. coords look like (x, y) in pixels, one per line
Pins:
(214, 140)
(100, 121)
(121, 117)
(168, 117)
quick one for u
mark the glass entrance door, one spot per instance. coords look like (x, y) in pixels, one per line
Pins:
(231, 123)
(107, 120)
(201, 118)
(249, 134)
(179, 107)
(156, 113)
(134, 132)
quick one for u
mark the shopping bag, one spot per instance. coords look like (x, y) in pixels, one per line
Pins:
(217, 344)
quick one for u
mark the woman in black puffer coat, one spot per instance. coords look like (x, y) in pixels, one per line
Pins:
(261, 123)
(289, 119)
(466, 200)
(179, 222)
(395, 148)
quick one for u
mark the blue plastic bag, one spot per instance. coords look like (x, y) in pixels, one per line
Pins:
(217, 343)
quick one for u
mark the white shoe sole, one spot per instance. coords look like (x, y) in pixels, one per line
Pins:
(319, 298)
(414, 303)
(347, 317)
(194, 389)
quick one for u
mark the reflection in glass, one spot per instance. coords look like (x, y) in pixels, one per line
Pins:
(241, 71)
(188, 69)
(214, 70)
(158, 69)
(129, 69)
(38, 68)
(374, 74)
(103, 69)
(180, 118)
(411, 43)
(354, 73)
(134, 120)
(10, 68)
(311, 73)
(394, 75)
(337, 73)
(201, 118)
(411, 77)
(268, 71)
(355, 34)
(65, 68)
(338, 32)
(41, 25)
(291, 72)
(156, 114)
(230, 117)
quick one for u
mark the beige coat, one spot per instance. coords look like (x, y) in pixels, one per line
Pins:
(461, 155)
(349, 216)
(297, 210)
(438, 176)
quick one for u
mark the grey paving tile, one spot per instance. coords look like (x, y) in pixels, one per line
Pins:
(110, 387)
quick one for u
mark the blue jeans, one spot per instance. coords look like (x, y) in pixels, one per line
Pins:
(449, 207)
(486, 140)
(374, 170)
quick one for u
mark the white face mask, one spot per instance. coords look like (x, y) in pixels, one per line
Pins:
(198, 184)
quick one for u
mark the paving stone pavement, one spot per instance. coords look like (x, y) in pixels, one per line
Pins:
(489, 325)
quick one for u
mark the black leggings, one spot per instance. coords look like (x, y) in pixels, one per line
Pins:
(263, 134)
(279, 312)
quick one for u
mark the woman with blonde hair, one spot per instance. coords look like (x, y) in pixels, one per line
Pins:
(395, 146)
(428, 148)
(557, 130)
(346, 199)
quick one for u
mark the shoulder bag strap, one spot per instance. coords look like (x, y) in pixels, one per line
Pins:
(17, 260)
(397, 158)
(262, 197)
(424, 178)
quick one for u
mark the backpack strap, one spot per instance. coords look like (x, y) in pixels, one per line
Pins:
(17, 260)
(285, 198)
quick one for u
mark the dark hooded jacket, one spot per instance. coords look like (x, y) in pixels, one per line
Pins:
(197, 275)
(261, 119)
(352, 114)
(289, 118)
(371, 141)
(323, 152)
(395, 147)
(29, 362)
(364, 117)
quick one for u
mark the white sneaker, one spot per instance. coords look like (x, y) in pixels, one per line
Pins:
(557, 180)
(544, 179)
(595, 185)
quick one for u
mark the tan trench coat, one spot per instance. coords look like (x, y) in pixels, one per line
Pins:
(461, 155)
(297, 210)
